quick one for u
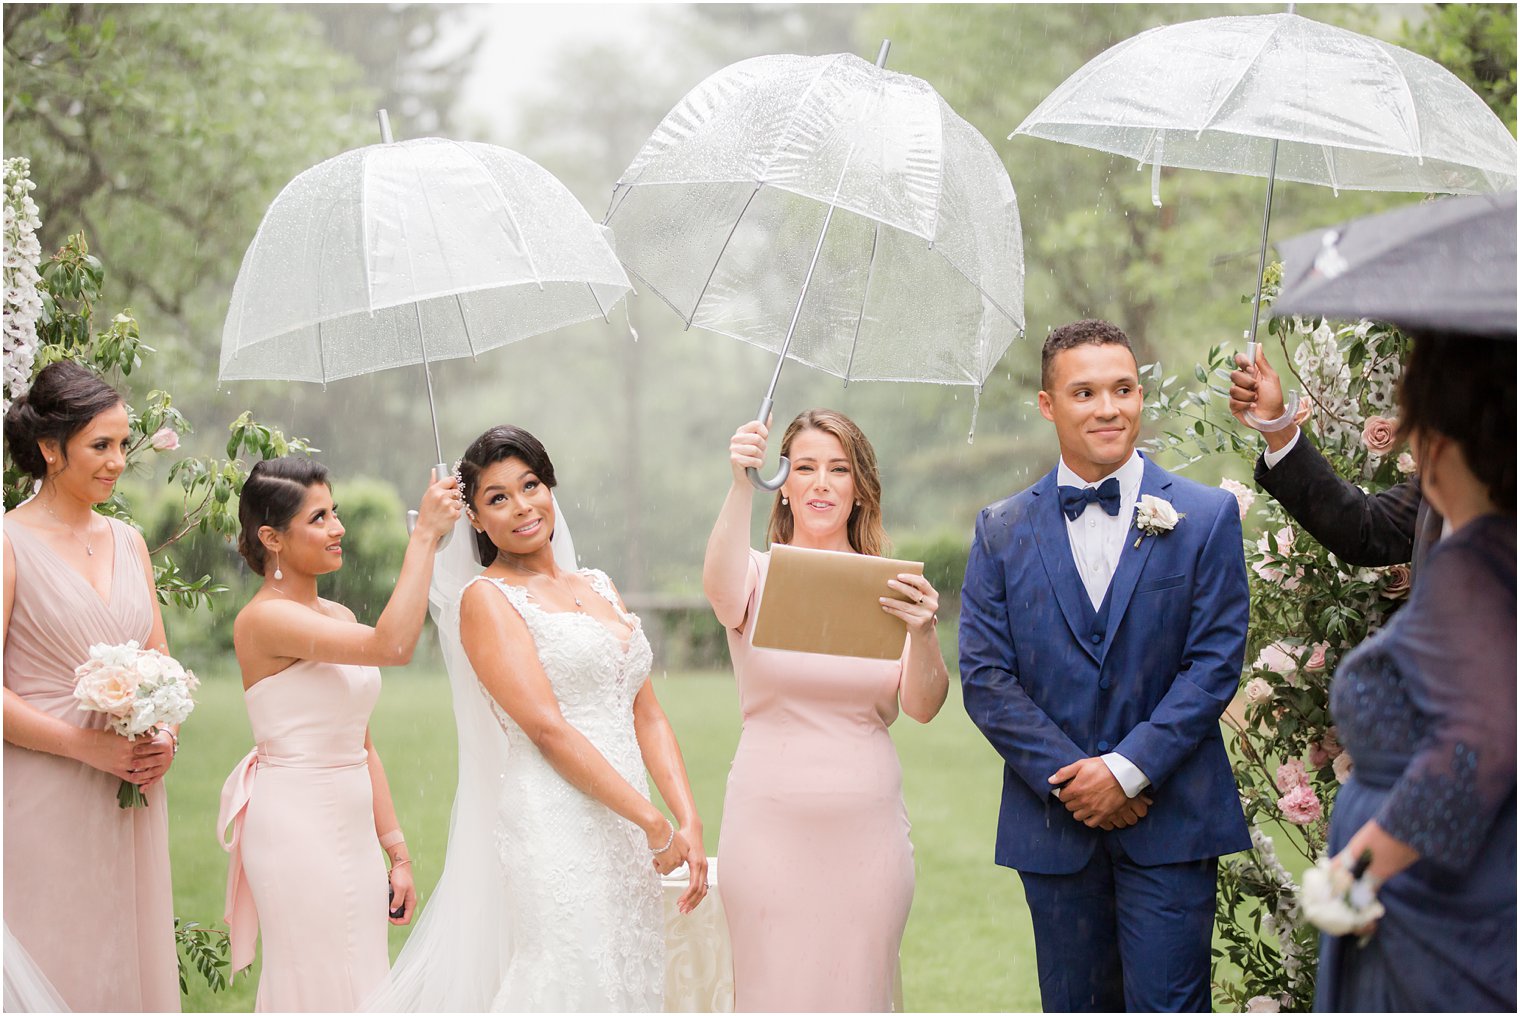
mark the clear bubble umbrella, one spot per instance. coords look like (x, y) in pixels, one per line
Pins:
(1279, 95)
(833, 212)
(404, 253)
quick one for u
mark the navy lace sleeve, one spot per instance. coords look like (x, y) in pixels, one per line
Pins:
(1458, 640)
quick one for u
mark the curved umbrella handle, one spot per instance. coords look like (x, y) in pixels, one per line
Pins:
(775, 482)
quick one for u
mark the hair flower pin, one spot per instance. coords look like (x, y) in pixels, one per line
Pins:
(1154, 516)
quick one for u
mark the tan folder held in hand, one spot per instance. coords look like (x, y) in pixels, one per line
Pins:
(825, 601)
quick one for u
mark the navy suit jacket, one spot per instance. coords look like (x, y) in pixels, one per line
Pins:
(1048, 683)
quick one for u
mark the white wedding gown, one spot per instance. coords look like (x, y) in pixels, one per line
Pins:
(548, 900)
(587, 926)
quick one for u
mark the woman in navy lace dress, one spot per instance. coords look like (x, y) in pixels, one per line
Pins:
(1427, 709)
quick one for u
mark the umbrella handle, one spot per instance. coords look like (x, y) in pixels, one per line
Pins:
(411, 513)
(1290, 402)
(775, 482)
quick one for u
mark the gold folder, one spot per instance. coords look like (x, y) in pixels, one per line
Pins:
(827, 601)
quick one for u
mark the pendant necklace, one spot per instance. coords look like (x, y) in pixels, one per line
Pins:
(89, 542)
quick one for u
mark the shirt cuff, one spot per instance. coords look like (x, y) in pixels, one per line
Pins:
(1130, 778)
(1273, 458)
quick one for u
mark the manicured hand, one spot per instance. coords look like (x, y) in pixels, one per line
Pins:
(746, 449)
(1259, 392)
(689, 841)
(440, 507)
(151, 757)
(403, 893)
(110, 753)
(1091, 794)
(920, 610)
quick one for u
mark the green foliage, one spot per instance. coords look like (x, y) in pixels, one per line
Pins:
(1476, 42)
(1308, 608)
(208, 950)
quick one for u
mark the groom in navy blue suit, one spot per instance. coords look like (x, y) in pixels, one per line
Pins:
(1099, 646)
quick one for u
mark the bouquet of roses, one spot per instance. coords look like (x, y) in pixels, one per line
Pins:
(139, 690)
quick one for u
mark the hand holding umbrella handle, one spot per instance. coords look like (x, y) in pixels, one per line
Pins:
(775, 482)
(1290, 400)
(442, 469)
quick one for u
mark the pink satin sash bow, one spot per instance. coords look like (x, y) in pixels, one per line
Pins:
(241, 915)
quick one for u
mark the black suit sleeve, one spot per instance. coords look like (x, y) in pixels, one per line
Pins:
(1367, 530)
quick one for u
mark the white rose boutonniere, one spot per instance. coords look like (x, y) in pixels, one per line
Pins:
(1153, 516)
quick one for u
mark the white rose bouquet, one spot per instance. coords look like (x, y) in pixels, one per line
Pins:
(139, 690)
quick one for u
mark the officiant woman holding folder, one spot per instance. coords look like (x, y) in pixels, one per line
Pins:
(817, 872)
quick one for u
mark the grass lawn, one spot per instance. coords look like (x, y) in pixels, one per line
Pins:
(968, 945)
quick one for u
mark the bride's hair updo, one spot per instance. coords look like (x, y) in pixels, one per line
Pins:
(272, 494)
(496, 444)
(62, 401)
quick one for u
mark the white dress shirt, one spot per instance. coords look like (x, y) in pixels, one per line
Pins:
(1097, 541)
(1272, 458)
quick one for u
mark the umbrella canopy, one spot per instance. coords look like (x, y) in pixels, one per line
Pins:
(833, 209)
(404, 253)
(1447, 265)
(1347, 111)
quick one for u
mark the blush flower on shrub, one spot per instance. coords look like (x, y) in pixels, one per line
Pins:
(1291, 774)
(1244, 496)
(1379, 434)
(164, 439)
(1300, 805)
(1400, 578)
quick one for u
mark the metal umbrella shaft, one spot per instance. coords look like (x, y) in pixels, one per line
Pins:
(763, 414)
(1290, 399)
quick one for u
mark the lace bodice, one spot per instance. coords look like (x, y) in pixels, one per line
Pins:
(587, 926)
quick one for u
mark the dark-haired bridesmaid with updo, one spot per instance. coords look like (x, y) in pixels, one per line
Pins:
(312, 822)
(87, 892)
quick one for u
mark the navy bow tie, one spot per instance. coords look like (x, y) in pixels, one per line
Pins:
(1074, 500)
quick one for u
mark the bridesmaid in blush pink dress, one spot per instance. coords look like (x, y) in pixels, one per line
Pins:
(87, 892)
(309, 808)
(817, 874)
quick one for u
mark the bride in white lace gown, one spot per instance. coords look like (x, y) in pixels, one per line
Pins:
(575, 848)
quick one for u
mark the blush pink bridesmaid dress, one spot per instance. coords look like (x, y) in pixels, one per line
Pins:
(817, 865)
(87, 889)
(306, 872)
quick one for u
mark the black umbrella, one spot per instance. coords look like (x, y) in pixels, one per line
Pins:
(1446, 265)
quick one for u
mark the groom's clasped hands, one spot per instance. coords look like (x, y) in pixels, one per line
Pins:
(1094, 797)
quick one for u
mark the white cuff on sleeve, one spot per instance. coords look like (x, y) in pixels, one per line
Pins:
(1127, 773)
(1273, 458)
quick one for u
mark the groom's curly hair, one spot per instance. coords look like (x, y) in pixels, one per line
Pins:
(1089, 332)
(498, 443)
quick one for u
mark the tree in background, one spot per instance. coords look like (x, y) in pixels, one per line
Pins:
(166, 131)
(1476, 42)
(414, 57)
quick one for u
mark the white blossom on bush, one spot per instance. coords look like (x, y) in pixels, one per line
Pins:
(23, 303)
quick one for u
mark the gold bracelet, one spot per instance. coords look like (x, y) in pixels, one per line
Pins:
(398, 864)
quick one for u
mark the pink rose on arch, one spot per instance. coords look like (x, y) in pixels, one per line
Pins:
(1400, 578)
(1326, 750)
(1291, 774)
(1276, 658)
(1380, 434)
(1342, 766)
(164, 439)
(1258, 691)
(1316, 661)
(1244, 496)
(1300, 805)
(1405, 463)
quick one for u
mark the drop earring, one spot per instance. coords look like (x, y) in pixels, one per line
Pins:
(278, 575)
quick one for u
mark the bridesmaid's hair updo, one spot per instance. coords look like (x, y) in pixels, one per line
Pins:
(1463, 386)
(496, 444)
(272, 494)
(866, 533)
(62, 401)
